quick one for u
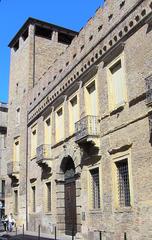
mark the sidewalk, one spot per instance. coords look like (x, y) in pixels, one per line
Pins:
(33, 236)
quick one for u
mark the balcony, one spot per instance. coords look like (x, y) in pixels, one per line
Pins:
(87, 129)
(43, 154)
(13, 169)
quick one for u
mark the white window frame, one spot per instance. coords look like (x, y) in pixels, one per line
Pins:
(16, 154)
(34, 141)
(48, 130)
(59, 137)
(33, 204)
(90, 196)
(117, 158)
(86, 86)
(71, 117)
(16, 207)
(111, 94)
(18, 116)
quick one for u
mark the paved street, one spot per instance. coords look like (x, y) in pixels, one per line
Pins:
(25, 237)
(4, 235)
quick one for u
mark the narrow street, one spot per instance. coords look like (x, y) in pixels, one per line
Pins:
(25, 237)
(6, 235)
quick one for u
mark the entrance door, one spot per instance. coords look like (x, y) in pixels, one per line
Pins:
(70, 207)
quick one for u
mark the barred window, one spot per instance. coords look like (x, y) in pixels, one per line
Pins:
(95, 188)
(123, 183)
(15, 201)
(33, 199)
(3, 188)
(48, 186)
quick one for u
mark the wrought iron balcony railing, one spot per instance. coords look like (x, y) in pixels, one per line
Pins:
(43, 153)
(12, 168)
(87, 127)
(149, 90)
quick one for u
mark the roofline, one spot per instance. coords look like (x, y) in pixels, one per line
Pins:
(31, 20)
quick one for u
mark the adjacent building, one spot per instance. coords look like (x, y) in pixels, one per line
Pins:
(3, 158)
(79, 125)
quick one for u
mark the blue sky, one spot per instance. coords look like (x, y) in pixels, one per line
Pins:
(13, 13)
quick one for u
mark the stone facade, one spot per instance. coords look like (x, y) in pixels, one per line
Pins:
(86, 167)
(3, 158)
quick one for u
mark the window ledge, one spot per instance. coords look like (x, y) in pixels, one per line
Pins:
(123, 209)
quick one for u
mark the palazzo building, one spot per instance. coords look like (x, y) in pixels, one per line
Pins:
(79, 155)
(3, 158)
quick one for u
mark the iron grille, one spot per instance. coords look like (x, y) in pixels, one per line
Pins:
(33, 200)
(150, 123)
(123, 183)
(149, 89)
(16, 201)
(48, 185)
(95, 188)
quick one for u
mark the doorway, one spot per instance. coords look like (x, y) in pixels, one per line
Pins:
(70, 197)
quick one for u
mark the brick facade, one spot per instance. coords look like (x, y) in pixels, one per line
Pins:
(44, 75)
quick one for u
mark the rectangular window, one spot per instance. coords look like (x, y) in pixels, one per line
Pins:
(91, 99)
(33, 141)
(33, 199)
(15, 201)
(17, 150)
(59, 125)
(47, 131)
(48, 192)
(5, 138)
(18, 116)
(117, 91)
(73, 113)
(95, 188)
(123, 183)
(3, 188)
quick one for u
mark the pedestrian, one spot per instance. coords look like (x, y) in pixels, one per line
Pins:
(5, 222)
(10, 222)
